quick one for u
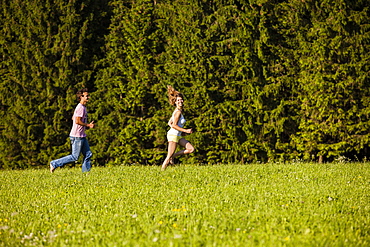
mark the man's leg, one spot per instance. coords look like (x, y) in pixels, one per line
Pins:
(76, 144)
(86, 152)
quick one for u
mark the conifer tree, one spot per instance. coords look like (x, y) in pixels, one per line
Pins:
(46, 57)
(263, 80)
(334, 62)
(126, 88)
(203, 49)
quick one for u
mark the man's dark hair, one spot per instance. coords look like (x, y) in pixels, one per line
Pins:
(80, 93)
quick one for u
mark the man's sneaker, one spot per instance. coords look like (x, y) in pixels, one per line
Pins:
(52, 168)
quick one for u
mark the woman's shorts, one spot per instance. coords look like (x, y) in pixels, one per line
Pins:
(173, 138)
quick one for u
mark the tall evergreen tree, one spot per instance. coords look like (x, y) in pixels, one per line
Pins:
(262, 79)
(126, 88)
(334, 64)
(208, 55)
(47, 54)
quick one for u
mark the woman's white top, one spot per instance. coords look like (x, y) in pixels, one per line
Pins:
(180, 123)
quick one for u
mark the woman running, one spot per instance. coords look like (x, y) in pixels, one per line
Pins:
(176, 133)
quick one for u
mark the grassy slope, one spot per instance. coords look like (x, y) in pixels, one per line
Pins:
(225, 205)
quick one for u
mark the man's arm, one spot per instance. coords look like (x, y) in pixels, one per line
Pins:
(79, 122)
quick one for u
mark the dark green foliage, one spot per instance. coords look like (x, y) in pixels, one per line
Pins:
(334, 85)
(263, 80)
(127, 95)
(48, 49)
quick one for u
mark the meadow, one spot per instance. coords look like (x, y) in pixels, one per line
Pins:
(294, 204)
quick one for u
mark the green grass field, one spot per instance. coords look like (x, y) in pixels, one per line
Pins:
(297, 204)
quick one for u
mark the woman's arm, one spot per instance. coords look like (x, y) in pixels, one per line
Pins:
(170, 122)
(174, 125)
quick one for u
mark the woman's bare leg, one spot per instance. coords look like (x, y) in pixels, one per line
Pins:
(188, 148)
(171, 149)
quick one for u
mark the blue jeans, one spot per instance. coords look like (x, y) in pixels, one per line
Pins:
(79, 145)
